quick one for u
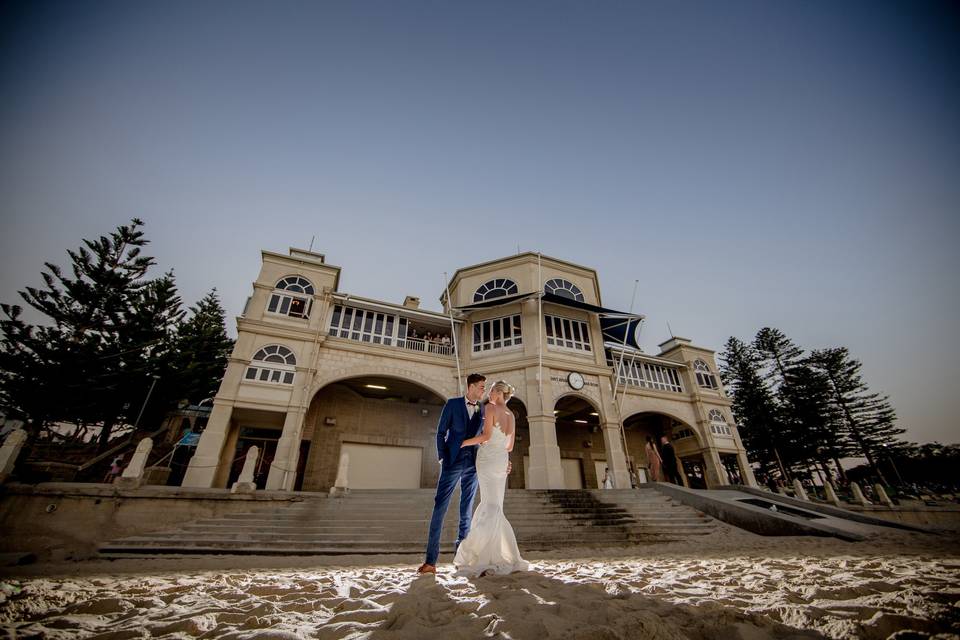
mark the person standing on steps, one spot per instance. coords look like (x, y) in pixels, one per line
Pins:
(669, 461)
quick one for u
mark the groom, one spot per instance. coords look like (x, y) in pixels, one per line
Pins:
(461, 418)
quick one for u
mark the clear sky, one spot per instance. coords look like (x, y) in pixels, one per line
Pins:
(787, 164)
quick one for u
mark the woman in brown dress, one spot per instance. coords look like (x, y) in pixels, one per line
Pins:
(653, 459)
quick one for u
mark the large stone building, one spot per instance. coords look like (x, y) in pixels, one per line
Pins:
(317, 373)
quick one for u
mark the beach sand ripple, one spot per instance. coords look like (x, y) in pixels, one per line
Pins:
(825, 590)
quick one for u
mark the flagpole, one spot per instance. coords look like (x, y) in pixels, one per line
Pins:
(623, 393)
(540, 332)
(453, 333)
(626, 331)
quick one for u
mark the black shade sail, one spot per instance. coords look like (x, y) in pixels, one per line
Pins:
(613, 323)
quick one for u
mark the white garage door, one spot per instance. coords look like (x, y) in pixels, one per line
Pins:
(572, 473)
(374, 466)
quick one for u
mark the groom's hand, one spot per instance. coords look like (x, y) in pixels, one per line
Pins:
(509, 466)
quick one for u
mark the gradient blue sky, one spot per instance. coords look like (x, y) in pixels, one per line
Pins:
(751, 163)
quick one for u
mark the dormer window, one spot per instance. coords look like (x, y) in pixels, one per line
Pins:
(293, 296)
(564, 288)
(705, 377)
(495, 289)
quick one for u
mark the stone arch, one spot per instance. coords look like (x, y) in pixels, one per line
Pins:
(393, 424)
(521, 444)
(636, 444)
(581, 440)
(337, 375)
(586, 398)
(693, 428)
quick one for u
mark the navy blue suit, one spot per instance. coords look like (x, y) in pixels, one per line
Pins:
(458, 464)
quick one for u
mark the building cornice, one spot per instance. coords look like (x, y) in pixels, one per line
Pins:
(526, 257)
(260, 327)
(272, 256)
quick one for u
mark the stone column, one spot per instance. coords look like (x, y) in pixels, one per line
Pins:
(545, 471)
(283, 469)
(715, 474)
(245, 483)
(10, 451)
(616, 457)
(207, 458)
(745, 469)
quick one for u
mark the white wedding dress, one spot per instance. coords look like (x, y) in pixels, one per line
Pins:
(491, 545)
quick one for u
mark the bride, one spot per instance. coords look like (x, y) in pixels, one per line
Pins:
(491, 546)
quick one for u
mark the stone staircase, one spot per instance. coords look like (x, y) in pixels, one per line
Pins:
(396, 522)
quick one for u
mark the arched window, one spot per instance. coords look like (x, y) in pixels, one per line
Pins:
(705, 377)
(292, 296)
(273, 363)
(495, 289)
(718, 424)
(565, 288)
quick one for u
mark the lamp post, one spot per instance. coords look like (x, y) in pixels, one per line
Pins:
(144, 405)
(893, 464)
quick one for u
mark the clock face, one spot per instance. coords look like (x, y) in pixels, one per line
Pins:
(575, 380)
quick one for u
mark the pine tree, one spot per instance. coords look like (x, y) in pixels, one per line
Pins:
(753, 404)
(867, 418)
(106, 328)
(802, 398)
(201, 350)
(25, 362)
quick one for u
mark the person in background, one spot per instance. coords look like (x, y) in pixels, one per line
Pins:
(116, 468)
(654, 460)
(607, 478)
(669, 461)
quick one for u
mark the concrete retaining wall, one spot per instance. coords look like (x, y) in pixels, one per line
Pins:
(906, 516)
(59, 521)
(750, 517)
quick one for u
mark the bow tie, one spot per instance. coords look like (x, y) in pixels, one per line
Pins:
(472, 404)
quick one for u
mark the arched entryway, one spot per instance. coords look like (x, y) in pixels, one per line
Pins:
(521, 445)
(638, 427)
(583, 456)
(387, 428)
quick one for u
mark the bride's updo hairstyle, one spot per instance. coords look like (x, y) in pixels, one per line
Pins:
(503, 387)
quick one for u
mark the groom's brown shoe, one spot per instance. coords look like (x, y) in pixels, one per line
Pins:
(427, 568)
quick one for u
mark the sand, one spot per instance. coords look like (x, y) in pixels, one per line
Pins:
(734, 587)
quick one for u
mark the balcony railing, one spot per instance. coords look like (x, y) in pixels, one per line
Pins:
(412, 344)
(387, 329)
(423, 346)
(647, 374)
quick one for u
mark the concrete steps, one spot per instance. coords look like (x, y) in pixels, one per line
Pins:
(396, 522)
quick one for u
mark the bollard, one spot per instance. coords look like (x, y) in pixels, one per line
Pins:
(340, 487)
(10, 451)
(858, 496)
(882, 495)
(831, 494)
(799, 491)
(133, 475)
(245, 483)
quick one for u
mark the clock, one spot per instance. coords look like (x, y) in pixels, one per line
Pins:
(575, 380)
